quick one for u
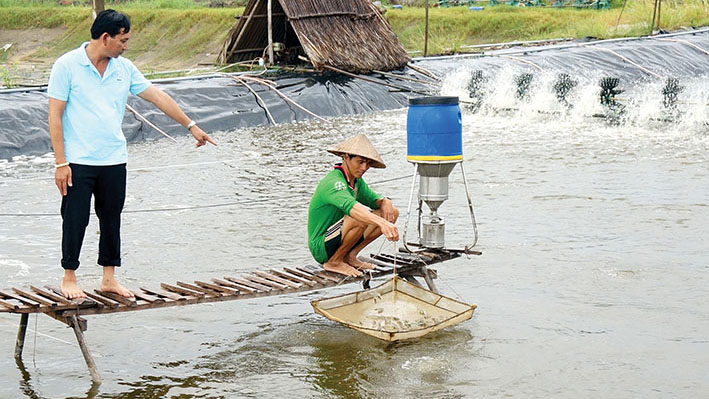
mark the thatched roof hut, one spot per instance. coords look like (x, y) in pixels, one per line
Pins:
(347, 34)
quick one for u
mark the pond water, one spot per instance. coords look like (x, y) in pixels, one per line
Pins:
(592, 283)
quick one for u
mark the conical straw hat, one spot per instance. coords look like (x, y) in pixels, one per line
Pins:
(359, 145)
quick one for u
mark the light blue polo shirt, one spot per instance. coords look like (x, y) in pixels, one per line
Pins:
(95, 106)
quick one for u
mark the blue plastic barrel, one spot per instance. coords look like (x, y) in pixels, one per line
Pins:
(434, 129)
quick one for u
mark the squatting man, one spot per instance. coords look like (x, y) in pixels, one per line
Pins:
(340, 224)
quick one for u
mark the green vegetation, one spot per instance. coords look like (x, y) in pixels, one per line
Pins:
(7, 76)
(452, 28)
(179, 34)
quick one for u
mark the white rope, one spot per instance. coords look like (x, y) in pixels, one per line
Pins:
(175, 166)
(457, 295)
(263, 103)
(393, 275)
(180, 208)
(685, 42)
(45, 335)
(649, 72)
(522, 61)
(144, 119)
(271, 85)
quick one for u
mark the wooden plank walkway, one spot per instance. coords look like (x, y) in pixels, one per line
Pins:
(262, 283)
(48, 300)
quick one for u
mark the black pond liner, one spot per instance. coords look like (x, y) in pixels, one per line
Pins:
(217, 103)
(220, 104)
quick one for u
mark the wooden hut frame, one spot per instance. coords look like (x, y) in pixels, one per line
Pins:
(347, 34)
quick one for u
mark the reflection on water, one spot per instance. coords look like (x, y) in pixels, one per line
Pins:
(592, 281)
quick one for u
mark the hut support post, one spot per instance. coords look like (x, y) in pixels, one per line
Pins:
(76, 326)
(270, 34)
(97, 7)
(21, 332)
(238, 37)
(425, 39)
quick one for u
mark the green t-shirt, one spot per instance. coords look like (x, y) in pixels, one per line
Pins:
(332, 200)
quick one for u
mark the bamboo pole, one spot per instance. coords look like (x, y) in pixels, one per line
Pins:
(270, 34)
(230, 51)
(425, 39)
(654, 14)
(96, 7)
(93, 370)
(428, 276)
(21, 332)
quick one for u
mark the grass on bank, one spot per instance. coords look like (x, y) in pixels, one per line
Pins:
(452, 28)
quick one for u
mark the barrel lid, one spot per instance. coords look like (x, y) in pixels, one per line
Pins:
(436, 100)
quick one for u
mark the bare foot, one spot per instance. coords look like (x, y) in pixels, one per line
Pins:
(354, 262)
(70, 289)
(341, 268)
(111, 285)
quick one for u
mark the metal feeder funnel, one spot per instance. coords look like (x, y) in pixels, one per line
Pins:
(395, 310)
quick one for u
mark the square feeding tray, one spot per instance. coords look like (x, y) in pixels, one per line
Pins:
(394, 310)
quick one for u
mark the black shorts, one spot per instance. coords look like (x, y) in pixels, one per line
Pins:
(333, 238)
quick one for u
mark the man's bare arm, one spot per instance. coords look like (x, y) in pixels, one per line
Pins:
(387, 207)
(166, 104)
(389, 230)
(62, 175)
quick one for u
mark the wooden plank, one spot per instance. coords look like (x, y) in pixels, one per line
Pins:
(216, 287)
(334, 277)
(101, 301)
(241, 288)
(118, 298)
(159, 292)
(257, 287)
(278, 279)
(9, 305)
(259, 280)
(293, 277)
(50, 295)
(182, 291)
(147, 297)
(79, 302)
(24, 301)
(275, 14)
(396, 260)
(306, 275)
(35, 298)
(198, 288)
(320, 273)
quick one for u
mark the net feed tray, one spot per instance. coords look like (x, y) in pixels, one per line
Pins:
(394, 310)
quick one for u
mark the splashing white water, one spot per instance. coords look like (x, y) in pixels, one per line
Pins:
(497, 94)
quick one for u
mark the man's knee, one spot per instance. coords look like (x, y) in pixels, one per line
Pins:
(351, 223)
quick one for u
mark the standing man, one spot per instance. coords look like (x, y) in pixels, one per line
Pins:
(339, 223)
(88, 90)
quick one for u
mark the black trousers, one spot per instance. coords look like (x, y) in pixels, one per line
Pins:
(107, 184)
